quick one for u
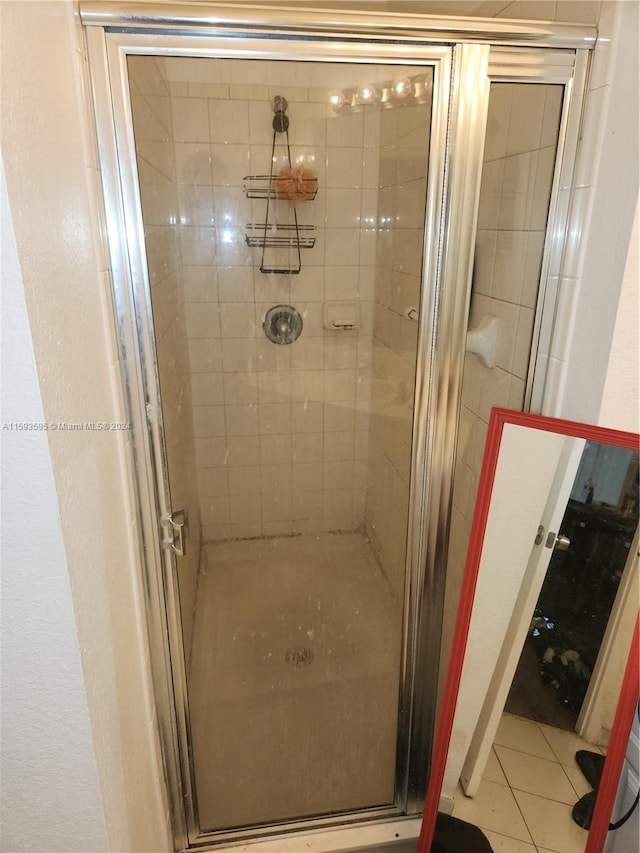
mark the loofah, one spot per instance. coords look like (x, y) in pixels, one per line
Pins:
(296, 183)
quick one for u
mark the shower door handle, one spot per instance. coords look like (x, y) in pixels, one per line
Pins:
(178, 527)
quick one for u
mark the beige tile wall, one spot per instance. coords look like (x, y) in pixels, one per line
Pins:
(275, 426)
(518, 168)
(573, 11)
(404, 140)
(519, 158)
(314, 436)
(281, 432)
(162, 204)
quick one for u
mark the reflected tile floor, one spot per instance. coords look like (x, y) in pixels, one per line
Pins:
(530, 785)
(293, 679)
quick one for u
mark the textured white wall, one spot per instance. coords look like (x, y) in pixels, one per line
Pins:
(604, 199)
(46, 735)
(620, 407)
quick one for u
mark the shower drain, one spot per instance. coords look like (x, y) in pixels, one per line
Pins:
(301, 656)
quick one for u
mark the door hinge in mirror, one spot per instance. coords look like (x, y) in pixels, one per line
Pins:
(177, 524)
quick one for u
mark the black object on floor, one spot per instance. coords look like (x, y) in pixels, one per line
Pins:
(591, 764)
(457, 836)
(582, 812)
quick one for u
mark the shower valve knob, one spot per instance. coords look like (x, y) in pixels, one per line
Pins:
(282, 324)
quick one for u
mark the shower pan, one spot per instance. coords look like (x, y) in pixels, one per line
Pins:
(291, 202)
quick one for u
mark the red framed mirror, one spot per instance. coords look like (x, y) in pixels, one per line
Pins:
(519, 448)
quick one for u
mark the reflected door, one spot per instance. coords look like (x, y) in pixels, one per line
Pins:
(287, 404)
(529, 501)
(600, 518)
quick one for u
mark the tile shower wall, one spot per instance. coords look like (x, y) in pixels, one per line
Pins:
(404, 143)
(520, 151)
(281, 431)
(161, 200)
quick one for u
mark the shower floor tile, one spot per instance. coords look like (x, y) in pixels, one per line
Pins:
(294, 679)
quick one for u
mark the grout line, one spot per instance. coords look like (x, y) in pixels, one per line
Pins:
(514, 797)
(564, 768)
(555, 761)
(493, 749)
(541, 730)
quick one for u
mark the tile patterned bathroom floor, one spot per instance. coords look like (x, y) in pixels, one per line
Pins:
(529, 787)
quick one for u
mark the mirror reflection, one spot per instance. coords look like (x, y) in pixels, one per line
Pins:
(578, 594)
(554, 543)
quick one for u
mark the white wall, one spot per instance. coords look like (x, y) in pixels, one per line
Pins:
(621, 410)
(51, 176)
(620, 407)
(605, 195)
(43, 690)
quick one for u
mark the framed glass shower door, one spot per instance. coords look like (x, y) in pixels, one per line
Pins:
(288, 409)
(226, 418)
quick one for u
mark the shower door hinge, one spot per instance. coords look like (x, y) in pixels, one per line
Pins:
(177, 526)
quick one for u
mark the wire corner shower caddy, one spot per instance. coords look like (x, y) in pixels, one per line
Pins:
(282, 191)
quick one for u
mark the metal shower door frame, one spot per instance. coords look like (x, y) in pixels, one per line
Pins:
(459, 110)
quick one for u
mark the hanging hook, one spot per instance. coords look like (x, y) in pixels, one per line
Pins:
(280, 119)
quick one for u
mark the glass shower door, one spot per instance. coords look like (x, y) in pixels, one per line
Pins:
(288, 404)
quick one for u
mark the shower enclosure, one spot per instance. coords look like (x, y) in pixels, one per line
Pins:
(291, 205)
(293, 404)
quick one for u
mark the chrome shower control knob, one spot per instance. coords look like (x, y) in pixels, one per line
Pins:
(282, 324)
